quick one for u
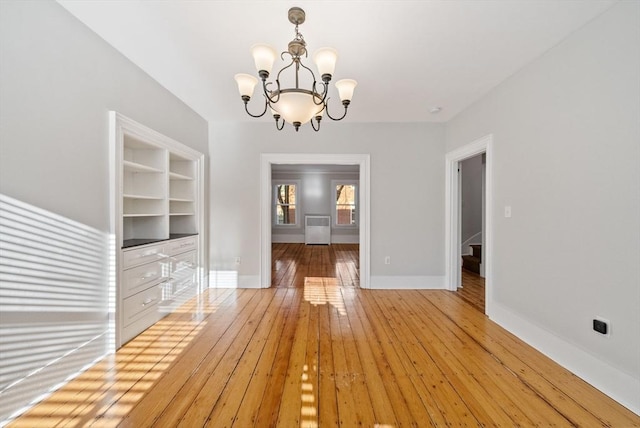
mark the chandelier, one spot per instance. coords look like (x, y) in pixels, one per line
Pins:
(295, 104)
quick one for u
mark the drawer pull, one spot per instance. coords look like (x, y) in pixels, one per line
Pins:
(147, 276)
(148, 301)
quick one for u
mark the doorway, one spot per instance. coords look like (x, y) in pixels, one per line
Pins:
(453, 206)
(315, 225)
(269, 160)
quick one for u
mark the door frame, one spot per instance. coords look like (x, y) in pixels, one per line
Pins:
(269, 159)
(452, 215)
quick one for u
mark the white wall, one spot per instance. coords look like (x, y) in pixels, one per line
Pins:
(315, 197)
(58, 80)
(566, 159)
(407, 168)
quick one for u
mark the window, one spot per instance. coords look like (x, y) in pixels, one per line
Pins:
(345, 197)
(286, 197)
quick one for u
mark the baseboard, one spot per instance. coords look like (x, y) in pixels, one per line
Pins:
(615, 383)
(345, 239)
(249, 281)
(407, 282)
(299, 239)
(287, 238)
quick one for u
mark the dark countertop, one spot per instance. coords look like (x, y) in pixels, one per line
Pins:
(128, 243)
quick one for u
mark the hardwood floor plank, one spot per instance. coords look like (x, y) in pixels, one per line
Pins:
(226, 365)
(289, 414)
(225, 409)
(316, 351)
(522, 404)
(354, 374)
(328, 406)
(451, 403)
(249, 405)
(570, 395)
(293, 263)
(267, 414)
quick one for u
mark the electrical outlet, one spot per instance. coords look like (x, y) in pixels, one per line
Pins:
(601, 326)
(387, 260)
(237, 261)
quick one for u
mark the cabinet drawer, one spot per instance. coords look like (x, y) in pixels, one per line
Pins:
(141, 304)
(182, 245)
(142, 255)
(183, 261)
(138, 278)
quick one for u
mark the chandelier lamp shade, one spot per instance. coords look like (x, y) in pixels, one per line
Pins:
(295, 105)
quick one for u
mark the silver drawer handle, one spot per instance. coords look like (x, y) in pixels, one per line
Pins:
(149, 275)
(146, 302)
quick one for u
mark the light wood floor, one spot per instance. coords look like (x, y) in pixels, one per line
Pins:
(472, 289)
(339, 264)
(324, 355)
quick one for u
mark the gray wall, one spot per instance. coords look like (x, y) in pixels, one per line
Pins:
(566, 159)
(407, 171)
(471, 188)
(315, 195)
(58, 80)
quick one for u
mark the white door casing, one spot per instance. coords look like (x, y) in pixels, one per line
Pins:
(452, 210)
(269, 159)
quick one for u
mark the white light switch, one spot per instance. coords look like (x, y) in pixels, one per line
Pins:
(507, 211)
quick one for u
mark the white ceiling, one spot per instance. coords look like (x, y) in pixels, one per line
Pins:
(407, 56)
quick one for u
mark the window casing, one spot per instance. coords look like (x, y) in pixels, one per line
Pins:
(345, 203)
(285, 203)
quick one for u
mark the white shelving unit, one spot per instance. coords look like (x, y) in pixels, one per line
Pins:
(157, 214)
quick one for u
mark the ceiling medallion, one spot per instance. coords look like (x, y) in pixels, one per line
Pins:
(295, 105)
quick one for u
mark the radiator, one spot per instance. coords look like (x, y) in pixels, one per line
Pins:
(317, 229)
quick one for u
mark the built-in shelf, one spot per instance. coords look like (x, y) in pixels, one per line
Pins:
(128, 196)
(158, 194)
(176, 176)
(138, 167)
(142, 215)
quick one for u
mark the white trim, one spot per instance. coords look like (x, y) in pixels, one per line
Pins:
(268, 159)
(249, 281)
(424, 282)
(120, 125)
(615, 383)
(288, 238)
(344, 239)
(452, 247)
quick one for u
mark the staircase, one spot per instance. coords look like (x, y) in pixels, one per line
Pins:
(472, 262)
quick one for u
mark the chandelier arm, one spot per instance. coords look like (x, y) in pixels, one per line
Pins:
(279, 125)
(313, 126)
(246, 108)
(322, 96)
(345, 103)
(284, 68)
(267, 92)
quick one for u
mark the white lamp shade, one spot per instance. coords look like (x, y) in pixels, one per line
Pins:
(345, 88)
(264, 57)
(296, 107)
(325, 59)
(246, 84)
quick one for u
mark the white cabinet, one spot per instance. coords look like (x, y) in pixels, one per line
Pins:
(157, 193)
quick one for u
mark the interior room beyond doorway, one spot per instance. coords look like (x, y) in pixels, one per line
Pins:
(315, 227)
